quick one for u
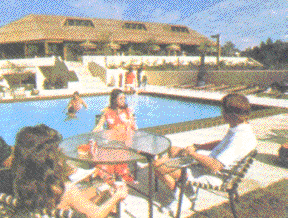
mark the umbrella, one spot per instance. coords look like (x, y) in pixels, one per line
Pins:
(155, 48)
(174, 47)
(88, 45)
(114, 45)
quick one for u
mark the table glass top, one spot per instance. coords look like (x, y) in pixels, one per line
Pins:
(114, 147)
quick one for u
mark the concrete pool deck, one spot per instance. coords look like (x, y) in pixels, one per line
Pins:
(270, 132)
(264, 171)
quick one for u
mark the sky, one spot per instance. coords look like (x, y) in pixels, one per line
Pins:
(246, 23)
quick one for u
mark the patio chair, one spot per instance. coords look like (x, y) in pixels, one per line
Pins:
(4, 90)
(18, 92)
(231, 179)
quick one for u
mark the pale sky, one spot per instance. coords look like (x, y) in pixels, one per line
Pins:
(244, 22)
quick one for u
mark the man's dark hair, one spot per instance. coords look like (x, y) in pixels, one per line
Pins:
(237, 105)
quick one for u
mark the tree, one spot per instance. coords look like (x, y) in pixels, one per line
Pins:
(229, 49)
(104, 42)
(151, 47)
(271, 54)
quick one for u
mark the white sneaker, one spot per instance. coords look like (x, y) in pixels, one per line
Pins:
(167, 211)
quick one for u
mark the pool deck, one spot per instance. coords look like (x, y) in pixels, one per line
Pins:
(197, 94)
(263, 172)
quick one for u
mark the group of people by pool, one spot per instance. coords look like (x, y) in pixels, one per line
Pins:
(41, 174)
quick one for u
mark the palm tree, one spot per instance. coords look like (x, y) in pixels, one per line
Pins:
(204, 48)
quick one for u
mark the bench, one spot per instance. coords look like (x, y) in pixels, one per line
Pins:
(231, 179)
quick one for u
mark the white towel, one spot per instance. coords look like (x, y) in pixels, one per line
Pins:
(80, 174)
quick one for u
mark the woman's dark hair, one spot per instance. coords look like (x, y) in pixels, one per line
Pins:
(237, 105)
(113, 99)
(38, 167)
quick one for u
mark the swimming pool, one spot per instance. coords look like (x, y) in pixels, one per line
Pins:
(149, 111)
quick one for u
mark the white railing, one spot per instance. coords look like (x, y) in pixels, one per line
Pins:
(29, 62)
(156, 60)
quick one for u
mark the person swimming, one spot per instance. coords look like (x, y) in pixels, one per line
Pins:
(75, 105)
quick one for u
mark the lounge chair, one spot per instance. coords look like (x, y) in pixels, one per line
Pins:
(236, 88)
(231, 179)
(4, 90)
(18, 92)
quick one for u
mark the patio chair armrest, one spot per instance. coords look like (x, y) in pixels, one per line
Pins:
(180, 162)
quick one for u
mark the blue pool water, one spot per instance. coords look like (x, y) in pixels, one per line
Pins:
(149, 111)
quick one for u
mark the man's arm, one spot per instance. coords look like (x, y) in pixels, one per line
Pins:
(209, 162)
(207, 146)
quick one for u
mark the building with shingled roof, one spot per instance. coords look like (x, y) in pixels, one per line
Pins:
(73, 37)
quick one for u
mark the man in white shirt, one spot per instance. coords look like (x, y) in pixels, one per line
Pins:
(238, 142)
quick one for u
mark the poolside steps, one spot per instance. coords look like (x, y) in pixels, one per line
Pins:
(86, 79)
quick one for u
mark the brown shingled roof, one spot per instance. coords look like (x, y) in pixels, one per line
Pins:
(51, 27)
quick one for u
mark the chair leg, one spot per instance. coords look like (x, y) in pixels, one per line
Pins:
(236, 196)
(194, 200)
(156, 183)
(232, 203)
(135, 168)
(183, 183)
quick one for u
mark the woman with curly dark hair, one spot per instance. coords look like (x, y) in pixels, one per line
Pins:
(41, 175)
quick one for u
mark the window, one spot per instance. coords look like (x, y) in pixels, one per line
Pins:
(179, 29)
(134, 26)
(77, 22)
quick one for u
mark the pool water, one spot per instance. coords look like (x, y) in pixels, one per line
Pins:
(149, 111)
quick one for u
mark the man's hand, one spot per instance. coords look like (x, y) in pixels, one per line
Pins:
(190, 149)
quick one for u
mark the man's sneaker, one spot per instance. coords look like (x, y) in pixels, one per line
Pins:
(167, 211)
(190, 194)
(189, 191)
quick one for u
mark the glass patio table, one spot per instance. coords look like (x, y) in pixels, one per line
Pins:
(115, 148)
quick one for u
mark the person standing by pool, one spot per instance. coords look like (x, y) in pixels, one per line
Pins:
(144, 81)
(75, 104)
(41, 174)
(130, 81)
(139, 75)
(121, 122)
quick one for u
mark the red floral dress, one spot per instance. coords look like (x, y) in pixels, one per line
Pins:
(118, 122)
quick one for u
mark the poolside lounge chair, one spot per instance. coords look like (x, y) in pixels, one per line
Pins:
(235, 88)
(218, 88)
(204, 87)
(231, 179)
(18, 92)
(4, 90)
